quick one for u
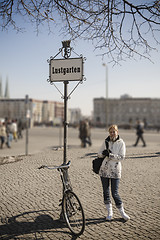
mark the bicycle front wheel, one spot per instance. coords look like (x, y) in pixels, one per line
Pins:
(73, 213)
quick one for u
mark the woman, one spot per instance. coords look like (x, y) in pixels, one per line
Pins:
(110, 170)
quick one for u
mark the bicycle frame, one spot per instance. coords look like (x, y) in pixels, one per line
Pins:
(65, 180)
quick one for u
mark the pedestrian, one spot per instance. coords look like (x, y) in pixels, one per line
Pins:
(14, 129)
(113, 149)
(3, 134)
(88, 132)
(82, 133)
(139, 132)
(9, 133)
(20, 129)
(85, 133)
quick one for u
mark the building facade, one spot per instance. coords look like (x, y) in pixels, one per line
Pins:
(37, 111)
(126, 111)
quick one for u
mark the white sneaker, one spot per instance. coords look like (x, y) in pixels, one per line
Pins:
(110, 212)
(123, 214)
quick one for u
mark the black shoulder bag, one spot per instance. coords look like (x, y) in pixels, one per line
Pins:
(97, 162)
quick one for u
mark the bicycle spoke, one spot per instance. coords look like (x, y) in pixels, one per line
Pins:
(73, 213)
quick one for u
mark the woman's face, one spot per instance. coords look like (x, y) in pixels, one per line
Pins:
(113, 134)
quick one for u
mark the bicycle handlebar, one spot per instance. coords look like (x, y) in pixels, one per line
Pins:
(64, 165)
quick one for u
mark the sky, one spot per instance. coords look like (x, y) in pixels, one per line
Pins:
(23, 60)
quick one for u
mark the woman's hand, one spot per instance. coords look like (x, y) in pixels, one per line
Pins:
(106, 152)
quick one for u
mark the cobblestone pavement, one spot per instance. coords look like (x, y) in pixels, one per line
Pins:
(29, 198)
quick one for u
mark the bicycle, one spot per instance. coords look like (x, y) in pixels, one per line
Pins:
(72, 210)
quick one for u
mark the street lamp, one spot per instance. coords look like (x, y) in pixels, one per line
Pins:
(107, 105)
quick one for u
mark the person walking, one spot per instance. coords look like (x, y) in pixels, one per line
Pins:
(9, 133)
(113, 149)
(82, 133)
(88, 132)
(139, 132)
(14, 129)
(20, 129)
(3, 134)
(85, 133)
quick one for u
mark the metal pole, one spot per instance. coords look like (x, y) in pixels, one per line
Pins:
(26, 146)
(107, 105)
(60, 133)
(65, 120)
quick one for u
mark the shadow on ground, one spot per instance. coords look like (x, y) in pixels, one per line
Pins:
(35, 222)
(38, 223)
(146, 155)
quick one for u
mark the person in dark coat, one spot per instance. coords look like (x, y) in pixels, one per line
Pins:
(139, 132)
(84, 133)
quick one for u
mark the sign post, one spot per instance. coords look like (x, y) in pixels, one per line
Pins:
(27, 119)
(65, 120)
(65, 70)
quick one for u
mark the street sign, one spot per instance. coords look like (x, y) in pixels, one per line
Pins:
(62, 70)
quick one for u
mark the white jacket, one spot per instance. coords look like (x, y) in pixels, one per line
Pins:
(111, 166)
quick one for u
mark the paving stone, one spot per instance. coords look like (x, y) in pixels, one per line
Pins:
(29, 198)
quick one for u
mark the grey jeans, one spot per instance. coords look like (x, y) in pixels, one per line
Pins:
(106, 182)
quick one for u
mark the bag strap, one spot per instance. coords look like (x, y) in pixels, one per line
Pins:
(106, 142)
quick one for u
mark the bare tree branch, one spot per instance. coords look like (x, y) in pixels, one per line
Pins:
(120, 29)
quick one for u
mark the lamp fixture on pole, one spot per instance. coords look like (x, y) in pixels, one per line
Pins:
(66, 49)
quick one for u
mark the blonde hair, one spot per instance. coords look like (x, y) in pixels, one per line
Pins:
(115, 127)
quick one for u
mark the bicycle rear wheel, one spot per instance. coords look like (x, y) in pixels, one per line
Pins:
(73, 213)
